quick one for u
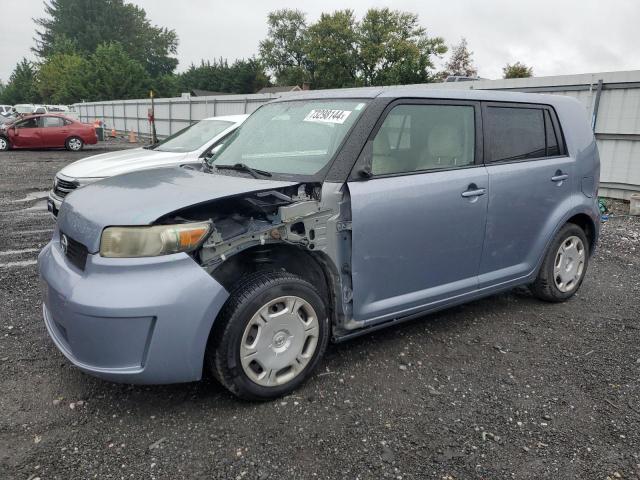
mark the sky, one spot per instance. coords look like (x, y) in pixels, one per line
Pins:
(555, 37)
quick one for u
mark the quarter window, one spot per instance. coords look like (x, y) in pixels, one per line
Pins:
(553, 147)
(424, 137)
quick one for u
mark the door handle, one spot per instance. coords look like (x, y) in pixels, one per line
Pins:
(473, 191)
(559, 177)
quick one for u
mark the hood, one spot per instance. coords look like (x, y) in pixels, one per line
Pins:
(123, 161)
(140, 198)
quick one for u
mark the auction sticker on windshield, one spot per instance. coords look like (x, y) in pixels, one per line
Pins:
(326, 115)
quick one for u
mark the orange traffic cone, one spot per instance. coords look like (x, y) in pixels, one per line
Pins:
(113, 133)
(132, 137)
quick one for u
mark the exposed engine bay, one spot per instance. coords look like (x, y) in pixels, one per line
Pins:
(304, 229)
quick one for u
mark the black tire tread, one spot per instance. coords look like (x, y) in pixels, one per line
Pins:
(241, 293)
(544, 286)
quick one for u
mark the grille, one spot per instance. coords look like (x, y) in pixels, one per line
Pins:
(63, 187)
(76, 252)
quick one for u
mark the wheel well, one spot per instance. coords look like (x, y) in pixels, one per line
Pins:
(586, 224)
(277, 257)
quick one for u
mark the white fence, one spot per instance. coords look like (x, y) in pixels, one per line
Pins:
(171, 114)
(612, 100)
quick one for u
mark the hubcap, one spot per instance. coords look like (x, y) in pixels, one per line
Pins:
(3, 144)
(569, 264)
(75, 144)
(279, 341)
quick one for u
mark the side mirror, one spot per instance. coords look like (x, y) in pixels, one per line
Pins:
(15, 131)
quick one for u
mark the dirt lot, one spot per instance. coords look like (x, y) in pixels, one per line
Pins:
(506, 387)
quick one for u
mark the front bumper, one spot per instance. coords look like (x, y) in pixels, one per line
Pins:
(53, 204)
(144, 320)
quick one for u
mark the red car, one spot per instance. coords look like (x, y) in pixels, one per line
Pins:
(47, 131)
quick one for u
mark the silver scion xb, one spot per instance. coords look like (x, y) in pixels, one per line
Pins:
(325, 216)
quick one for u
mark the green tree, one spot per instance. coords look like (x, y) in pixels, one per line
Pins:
(284, 51)
(395, 49)
(113, 75)
(243, 76)
(21, 87)
(460, 63)
(385, 47)
(332, 50)
(61, 79)
(247, 76)
(517, 70)
(86, 24)
(165, 86)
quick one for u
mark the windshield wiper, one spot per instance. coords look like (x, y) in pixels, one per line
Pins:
(243, 167)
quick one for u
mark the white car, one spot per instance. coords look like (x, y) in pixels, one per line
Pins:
(30, 109)
(188, 146)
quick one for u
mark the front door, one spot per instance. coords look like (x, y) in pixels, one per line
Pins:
(418, 222)
(26, 133)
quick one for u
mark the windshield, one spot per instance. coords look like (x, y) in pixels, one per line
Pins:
(297, 137)
(194, 136)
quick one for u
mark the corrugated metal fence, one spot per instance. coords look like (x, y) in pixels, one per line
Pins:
(612, 99)
(171, 114)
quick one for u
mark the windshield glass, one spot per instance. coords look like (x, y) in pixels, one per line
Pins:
(194, 136)
(297, 137)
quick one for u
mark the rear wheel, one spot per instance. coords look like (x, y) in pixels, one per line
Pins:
(564, 266)
(4, 144)
(74, 144)
(269, 337)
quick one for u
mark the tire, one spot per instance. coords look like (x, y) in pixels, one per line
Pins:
(74, 144)
(552, 285)
(238, 331)
(4, 144)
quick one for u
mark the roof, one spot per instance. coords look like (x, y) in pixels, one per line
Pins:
(422, 91)
(286, 88)
(48, 114)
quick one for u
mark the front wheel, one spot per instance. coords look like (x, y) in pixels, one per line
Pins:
(4, 144)
(74, 144)
(564, 265)
(269, 337)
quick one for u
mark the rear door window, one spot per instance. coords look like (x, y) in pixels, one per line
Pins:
(48, 122)
(514, 133)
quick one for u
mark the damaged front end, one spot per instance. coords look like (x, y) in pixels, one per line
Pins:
(303, 229)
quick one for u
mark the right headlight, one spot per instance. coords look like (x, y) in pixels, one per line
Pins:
(129, 242)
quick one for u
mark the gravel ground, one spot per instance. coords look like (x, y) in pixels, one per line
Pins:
(506, 387)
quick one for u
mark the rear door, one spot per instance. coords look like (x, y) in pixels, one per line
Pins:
(53, 131)
(530, 180)
(418, 222)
